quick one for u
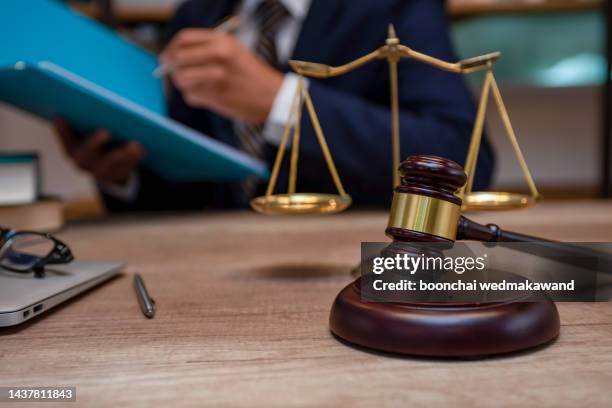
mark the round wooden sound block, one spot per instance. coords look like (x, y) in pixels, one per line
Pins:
(444, 329)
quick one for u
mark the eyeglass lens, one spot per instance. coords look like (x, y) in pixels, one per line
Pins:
(24, 251)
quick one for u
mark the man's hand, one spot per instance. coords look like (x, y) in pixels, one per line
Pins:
(107, 166)
(215, 71)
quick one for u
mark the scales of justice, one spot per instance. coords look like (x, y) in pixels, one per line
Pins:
(429, 194)
(393, 51)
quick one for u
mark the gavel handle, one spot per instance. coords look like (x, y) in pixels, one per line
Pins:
(470, 230)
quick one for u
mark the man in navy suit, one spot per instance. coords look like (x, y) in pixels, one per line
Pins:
(238, 88)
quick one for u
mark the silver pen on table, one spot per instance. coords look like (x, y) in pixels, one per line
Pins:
(147, 304)
(228, 25)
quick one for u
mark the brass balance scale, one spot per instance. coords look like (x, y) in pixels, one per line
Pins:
(293, 202)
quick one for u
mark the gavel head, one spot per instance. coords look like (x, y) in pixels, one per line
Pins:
(425, 207)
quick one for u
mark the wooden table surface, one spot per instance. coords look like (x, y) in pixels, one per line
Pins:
(243, 303)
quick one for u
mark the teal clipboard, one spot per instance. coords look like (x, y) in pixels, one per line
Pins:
(173, 151)
(57, 64)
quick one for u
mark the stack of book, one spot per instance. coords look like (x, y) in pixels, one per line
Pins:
(21, 206)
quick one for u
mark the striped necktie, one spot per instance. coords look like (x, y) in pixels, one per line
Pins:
(268, 17)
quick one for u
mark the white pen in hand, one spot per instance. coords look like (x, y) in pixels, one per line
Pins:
(226, 26)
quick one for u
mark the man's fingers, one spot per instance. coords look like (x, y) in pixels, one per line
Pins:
(117, 165)
(65, 135)
(201, 54)
(112, 167)
(187, 37)
(188, 78)
(89, 151)
(117, 168)
(190, 56)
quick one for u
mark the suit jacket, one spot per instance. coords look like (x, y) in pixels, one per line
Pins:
(436, 117)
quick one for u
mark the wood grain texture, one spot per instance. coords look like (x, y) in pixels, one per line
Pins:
(243, 306)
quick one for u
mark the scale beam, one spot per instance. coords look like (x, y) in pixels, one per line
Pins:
(466, 66)
(314, 70)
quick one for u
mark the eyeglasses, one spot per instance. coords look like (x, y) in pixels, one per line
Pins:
(27, 251)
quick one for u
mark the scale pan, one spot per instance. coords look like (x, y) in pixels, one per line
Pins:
(488, 200)
(301, 203)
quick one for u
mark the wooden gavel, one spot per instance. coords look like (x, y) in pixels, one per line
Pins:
(426, 209)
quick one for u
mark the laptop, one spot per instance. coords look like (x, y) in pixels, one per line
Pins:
(23, 296)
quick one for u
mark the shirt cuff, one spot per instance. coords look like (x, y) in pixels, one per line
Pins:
(281, 109)
(127, 193)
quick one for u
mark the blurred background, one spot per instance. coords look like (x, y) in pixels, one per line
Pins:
(554, 75)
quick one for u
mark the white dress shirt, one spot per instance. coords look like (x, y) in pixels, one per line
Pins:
(286, 39)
